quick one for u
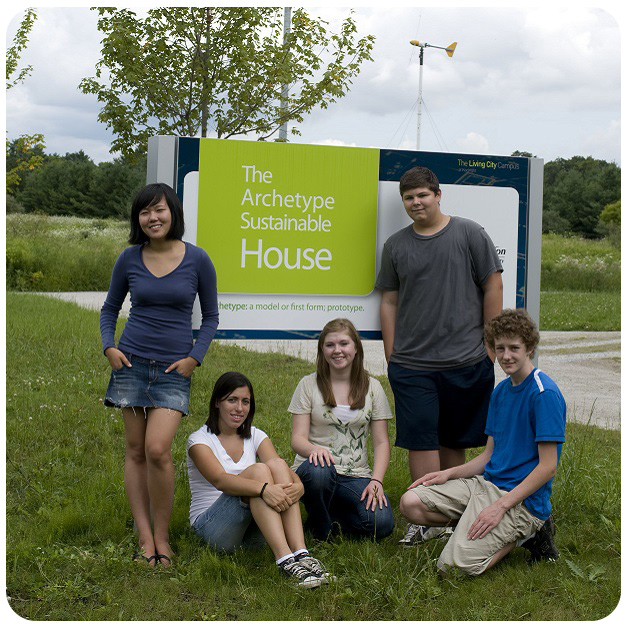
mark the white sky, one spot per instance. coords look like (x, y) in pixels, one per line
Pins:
(542, 79)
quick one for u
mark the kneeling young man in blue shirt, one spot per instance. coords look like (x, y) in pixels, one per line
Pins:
(501, 498)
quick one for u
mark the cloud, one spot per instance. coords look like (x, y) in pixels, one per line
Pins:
(473, 143)
(541, 79)
(333, 142)
(597, 141)
(503, 54)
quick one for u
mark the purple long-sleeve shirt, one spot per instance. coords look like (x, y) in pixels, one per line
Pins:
(160, 321)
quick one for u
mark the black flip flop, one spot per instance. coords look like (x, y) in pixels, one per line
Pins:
(163, 557)
(137, 558)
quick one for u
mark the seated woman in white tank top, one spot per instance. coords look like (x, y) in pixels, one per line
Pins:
(243, 493)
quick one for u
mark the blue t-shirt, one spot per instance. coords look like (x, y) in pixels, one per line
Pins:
(519, 417)
(160, 321)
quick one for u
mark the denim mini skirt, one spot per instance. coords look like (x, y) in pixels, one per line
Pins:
(146, 384)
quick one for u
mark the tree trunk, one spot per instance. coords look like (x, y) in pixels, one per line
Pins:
(204, 107)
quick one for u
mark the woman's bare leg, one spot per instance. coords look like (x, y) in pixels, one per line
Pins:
(135, 476)
(161, 426)
(451, 457)
(268, 520)
(292, 520)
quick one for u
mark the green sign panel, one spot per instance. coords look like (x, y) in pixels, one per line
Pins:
(288, 219)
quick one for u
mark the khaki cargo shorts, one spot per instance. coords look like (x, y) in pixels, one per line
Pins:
(462, 500)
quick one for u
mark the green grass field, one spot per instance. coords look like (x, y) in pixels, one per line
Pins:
(69, 532)
(580, 285)
(580, 278)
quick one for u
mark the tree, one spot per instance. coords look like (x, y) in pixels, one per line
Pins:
(578, 189)
(115, 183)
(611, 214)
(27, 148)
(522, 153)
(74, 185)
(61, 186)
(23, 155)
(609, 223)
(14, 51)
(181, 68)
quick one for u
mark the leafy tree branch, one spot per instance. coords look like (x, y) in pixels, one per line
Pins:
(14, 51)
(193, 70)
(25, 153)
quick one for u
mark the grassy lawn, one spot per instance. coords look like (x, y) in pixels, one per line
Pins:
(580, 311)
(580, 278)
(69, 533)
(580, 285)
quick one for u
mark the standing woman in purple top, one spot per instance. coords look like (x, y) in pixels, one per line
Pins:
(153, 362)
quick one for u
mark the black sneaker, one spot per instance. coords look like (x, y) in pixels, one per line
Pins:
(542, 545)
(315, 567)
(303, 576)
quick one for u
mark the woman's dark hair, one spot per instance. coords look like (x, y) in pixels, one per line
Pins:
(148, 196)
(225, 385)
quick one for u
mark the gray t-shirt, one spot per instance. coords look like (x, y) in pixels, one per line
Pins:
(439, 320)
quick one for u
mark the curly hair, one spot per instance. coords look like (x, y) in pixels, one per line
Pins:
(513, 323)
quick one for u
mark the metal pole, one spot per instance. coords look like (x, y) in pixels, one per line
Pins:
(419, 98)
(287, 22)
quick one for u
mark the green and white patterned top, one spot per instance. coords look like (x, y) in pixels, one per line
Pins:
(347, 441)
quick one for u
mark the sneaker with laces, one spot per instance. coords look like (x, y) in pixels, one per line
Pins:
(417, 534)
(315, 566)
(297, 572)
(542, 545)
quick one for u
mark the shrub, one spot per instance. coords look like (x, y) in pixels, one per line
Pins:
(62, 254)
(578, 264)
(552, 222)
(609, 223)
(13, 205)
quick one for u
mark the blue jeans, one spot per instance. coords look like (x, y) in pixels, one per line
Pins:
(330, 498)
(228, 525)
(147, 385)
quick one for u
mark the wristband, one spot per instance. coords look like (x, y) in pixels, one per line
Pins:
(262, 489)
(377, 480)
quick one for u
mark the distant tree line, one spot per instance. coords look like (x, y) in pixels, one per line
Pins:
(581, 194)
(74, 185)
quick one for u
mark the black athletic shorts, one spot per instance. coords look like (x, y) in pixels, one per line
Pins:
(441, 407)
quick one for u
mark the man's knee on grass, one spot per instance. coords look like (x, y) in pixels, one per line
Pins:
(416, 511)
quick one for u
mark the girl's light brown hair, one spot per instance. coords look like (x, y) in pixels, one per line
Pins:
(359, 381)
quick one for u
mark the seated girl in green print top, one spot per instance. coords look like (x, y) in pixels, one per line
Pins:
(333, 411)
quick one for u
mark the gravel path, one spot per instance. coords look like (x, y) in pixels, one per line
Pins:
(586, 365)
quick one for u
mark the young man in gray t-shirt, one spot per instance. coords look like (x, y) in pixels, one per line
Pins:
(440, 280)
